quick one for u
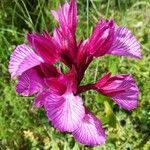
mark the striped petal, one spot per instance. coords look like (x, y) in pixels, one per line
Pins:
(30, 82)
(128, 99)
(40, 99)
(67, 16)
(122, 89)
(90, 131)
(65, 111)
(22, 59)
(125, 44)
(101, 39)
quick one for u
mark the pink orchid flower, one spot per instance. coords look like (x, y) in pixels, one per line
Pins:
(58, 93)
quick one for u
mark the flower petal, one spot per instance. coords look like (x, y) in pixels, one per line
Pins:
(63, 83)
(40, 99)
(56, 84)
(65, 35)
(67, 43)
(49, 70)
(125, 44)
(122, 89)
(101, 38)
(83, 59)
(30, 82)
(22, 59)
(90, 131)
(45, 46)
(72, 17)
(67, 16)
(65, 111)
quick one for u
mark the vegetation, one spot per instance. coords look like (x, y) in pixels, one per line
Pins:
(24, 127)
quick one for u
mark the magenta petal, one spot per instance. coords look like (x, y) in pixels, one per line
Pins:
(45, 46)
(57, 85)
(67, 16)
(22, 59)
(125, 44)
(83, 59)
(65, 112)
(30, 82)
(40, 99)
(90, 131)
(122, 89)
(128, 99)
(57, 36)
(101, 38)
(49, 70)
(72, 18)
(65, 35)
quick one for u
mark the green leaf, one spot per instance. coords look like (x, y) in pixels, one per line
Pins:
(110, 114)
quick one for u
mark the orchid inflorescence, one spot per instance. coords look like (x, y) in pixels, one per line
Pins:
(58, 92)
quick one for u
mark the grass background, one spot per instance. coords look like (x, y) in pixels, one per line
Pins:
(24, 127)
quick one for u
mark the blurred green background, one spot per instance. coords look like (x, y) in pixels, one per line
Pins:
(23, 127)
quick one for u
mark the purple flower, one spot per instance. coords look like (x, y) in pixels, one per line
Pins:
(58, 93)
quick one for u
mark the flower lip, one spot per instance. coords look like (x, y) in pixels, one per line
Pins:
(65, 111)
(90, 131)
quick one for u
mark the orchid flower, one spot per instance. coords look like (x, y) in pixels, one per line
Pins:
(57, 92)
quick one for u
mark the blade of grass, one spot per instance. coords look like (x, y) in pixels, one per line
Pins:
(28, 15)
(107, 9)
(87, 16)
(12, 31)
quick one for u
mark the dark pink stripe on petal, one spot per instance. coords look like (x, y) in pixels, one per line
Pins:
(90, 131)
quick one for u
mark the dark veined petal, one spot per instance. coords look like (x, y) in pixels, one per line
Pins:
(122, 89)
(22, 59)
(30, 82)
(125, 44)
(45, 46)
(90, 131)
(65, 111)
(40, 99)
(67, 16)
(101, 38)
